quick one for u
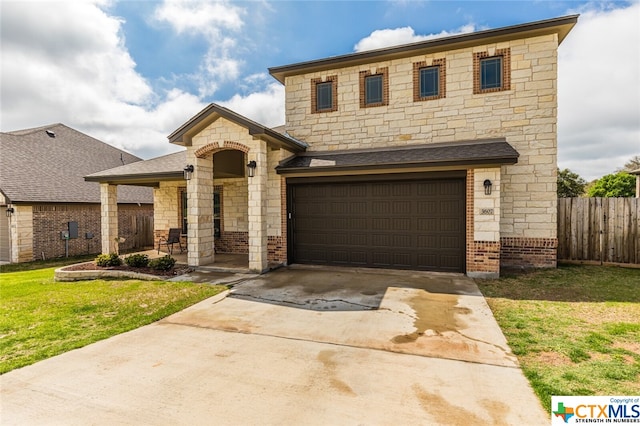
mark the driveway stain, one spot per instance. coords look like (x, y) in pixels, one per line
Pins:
(326, 358)
(443, 412)
(438, 313)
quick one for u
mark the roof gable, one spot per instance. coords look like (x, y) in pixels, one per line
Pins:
(48, 164)
(184, 134)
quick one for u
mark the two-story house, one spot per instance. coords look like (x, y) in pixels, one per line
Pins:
(438, 155)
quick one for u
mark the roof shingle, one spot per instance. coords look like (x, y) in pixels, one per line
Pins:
(36, 166)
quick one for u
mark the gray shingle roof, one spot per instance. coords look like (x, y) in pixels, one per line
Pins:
(462, 153)
(168, 167)
(36, 167)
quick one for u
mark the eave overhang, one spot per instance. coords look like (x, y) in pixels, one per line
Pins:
(445, 156)
(561, 26)
(184, 134)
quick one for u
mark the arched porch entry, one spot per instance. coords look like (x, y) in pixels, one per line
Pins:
(226, 208)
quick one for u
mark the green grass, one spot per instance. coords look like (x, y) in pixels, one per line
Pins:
(40, 318)
(575, 329)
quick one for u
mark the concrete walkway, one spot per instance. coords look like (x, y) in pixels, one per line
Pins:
(294, 346)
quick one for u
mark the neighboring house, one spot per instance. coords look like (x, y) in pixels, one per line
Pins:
(43, 194)
(438, 155)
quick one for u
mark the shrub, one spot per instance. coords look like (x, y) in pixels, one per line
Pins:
(110, 259)
(137, 260)
(162, 263)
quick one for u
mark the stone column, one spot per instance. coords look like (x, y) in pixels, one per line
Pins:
(257, 209)
(200, 212)
(109, 217)
(21, 232)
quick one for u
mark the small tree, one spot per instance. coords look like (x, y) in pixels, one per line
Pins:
(570, 184)
(631, 165)
(620, 184)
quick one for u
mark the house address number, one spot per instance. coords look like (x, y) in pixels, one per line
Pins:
(486, 211)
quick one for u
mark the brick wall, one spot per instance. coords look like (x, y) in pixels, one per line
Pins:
(51, 219)
(528, 252)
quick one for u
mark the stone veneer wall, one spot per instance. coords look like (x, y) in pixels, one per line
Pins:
(242, 206)
(525, 115)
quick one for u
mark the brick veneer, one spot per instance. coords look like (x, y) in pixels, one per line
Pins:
(333, 79)
(384, 71)
(528, 252)
(50, 219)
(442, 79)
(506, 70)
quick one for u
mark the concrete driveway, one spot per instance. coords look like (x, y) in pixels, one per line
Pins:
(295, 346)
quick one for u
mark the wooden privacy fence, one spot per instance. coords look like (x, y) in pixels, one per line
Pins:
(143, 226)
(599, 229)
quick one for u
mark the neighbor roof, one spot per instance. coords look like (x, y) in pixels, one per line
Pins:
(183, 135)
(560, 26)
(47, 164)
(488, 152)
(148, 172)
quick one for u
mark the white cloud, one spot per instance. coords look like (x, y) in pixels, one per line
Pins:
(405, 35)
(67, 62)
(599, 92)
(217, 22)
(266, 107)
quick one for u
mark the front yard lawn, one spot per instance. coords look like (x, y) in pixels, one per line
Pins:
(575, 329)
(40, 318)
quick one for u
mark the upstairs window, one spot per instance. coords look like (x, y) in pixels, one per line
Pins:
(374, 88)
(324, 94)
(429, 80)
(492, 73)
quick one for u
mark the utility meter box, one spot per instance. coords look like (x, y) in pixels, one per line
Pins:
(73, 229)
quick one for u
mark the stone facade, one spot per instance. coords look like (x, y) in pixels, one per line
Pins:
(251, 216)
(522, 207)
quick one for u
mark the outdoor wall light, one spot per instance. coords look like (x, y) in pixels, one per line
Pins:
(487, 187)
(9, 211)
(188, 171)
(251, 168)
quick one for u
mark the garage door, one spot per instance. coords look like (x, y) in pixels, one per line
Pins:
(415, 224)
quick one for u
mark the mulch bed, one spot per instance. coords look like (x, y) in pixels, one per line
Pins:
(91, 266)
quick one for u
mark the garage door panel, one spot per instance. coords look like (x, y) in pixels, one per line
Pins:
(417, 224)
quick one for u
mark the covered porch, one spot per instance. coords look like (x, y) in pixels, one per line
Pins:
(222, 192)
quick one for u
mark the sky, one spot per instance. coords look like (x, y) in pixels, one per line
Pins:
(131, 72)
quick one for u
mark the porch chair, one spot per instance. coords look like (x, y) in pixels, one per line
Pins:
(170, 240)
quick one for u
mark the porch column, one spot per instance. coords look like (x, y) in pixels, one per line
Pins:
(200, 212)
(257, 209)
(109, 217)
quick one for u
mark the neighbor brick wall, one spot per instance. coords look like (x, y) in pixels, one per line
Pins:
(51, 219)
